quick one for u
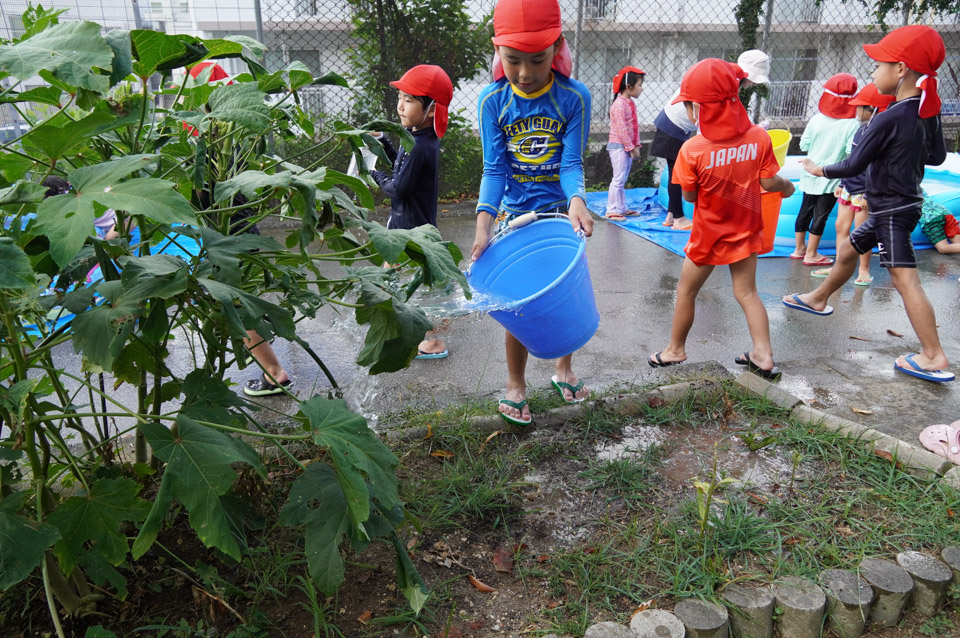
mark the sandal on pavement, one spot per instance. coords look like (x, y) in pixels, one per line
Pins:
(657, 362)
(773, 374)
(864, 281)
(823, 261)
(263, 387)
(615, 217)
(432, 355)
(560, 386)
(821, 272)
(914, 370)
(512, 420)
(943, 440)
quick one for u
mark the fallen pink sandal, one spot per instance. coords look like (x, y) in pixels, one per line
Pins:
(943, 440)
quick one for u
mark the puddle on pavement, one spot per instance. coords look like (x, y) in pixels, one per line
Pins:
(809, 393)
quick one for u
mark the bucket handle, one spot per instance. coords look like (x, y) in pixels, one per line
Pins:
(519, 222)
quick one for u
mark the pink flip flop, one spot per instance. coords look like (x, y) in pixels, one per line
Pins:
(943, 440)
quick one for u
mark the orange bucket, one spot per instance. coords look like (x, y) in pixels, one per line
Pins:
(770, 211)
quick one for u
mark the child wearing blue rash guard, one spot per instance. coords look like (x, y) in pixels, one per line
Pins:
(534, 122)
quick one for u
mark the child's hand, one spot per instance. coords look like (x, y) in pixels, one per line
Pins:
(788, 190)
(635, 153)
(812, 168)
(838, 191)
(580, 217)
(482, 237)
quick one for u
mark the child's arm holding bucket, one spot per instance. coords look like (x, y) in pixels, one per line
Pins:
(482, 237)
(571, 162)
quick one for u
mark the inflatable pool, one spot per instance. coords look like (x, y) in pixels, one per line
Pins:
(942, 184)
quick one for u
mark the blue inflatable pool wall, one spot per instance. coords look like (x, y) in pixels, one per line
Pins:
(942, 185)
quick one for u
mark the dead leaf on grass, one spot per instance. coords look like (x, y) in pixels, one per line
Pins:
(442, 454)
(412, 542)
(542, 558)
(481, 585)
(502, 561)
(553, 604)
(756, 498)
(644, 606)
(656, 402)
(845, 530)
(893, 334)
(862, 411)
(365, 617)
(490, 438)
(429, 431)
(883, 454)
(859, 338)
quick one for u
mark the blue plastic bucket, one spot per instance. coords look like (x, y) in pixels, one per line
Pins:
(540, 274)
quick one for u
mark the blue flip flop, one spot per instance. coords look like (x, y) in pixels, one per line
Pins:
(432, 355)
(799, 305)
(937, 376)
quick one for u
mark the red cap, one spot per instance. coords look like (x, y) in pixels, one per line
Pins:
(216, 73)
(527, 25)
(869, 96)
(921, 49)
(837, 93)
(622, 72)
(714, 84)
(433, 82)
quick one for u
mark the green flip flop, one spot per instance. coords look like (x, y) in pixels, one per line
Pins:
(519, 405)
(560, 386)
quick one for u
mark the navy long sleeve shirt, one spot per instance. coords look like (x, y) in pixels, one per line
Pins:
(412, 185)
(893, 152)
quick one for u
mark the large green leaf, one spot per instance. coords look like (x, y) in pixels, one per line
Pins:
(157, 199)
(250, 184)
(72, 51)
(65, 226)
(222, 253)
(250, 313)
(299, 74)
(53, 141)
(96, 516)
(15, 270)
(22, 547)
(99, 332)
(317, 502)
(198, 473)
(155, 51)
(254, 46)
(364, 465)
(241, 103)
(107, 173)
(41, 94)
(438, 259)
(208, 398)
(395, 329)
(22, 193)
(119, 42)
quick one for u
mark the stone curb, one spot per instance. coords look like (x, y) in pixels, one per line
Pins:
(623, 404)
(912, 459)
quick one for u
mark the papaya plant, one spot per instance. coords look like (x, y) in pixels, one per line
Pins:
(187, 170)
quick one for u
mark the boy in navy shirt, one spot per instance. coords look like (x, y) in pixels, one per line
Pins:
(425, 94)
(894, 150)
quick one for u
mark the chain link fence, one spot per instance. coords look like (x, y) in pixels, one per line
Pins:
(807, 40)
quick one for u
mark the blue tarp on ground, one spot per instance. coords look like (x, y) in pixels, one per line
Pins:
(649, 224)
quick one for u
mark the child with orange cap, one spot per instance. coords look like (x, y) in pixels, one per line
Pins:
(894, 150)
(425, 92)
(623, 143)
(722, 169)
(826, 140)
(534, 123)
(850, 194)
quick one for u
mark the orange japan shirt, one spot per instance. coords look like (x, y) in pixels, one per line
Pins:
(726, 175)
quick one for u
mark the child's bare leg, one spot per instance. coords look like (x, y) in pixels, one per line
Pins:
(565, 374)
(516, 381)
(743, 274)
(922, 318)
(858, 218)
(801, 247)
(692, 278)
(847, 257)
(263, 352)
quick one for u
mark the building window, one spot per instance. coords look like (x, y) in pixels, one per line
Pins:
(309, 57)
(306, 7)
(729, 54)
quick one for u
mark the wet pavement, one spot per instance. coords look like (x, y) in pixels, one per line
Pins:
(635, 282)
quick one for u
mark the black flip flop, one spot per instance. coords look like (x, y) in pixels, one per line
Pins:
(660, 363)
(263, 387)
(744, 360)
